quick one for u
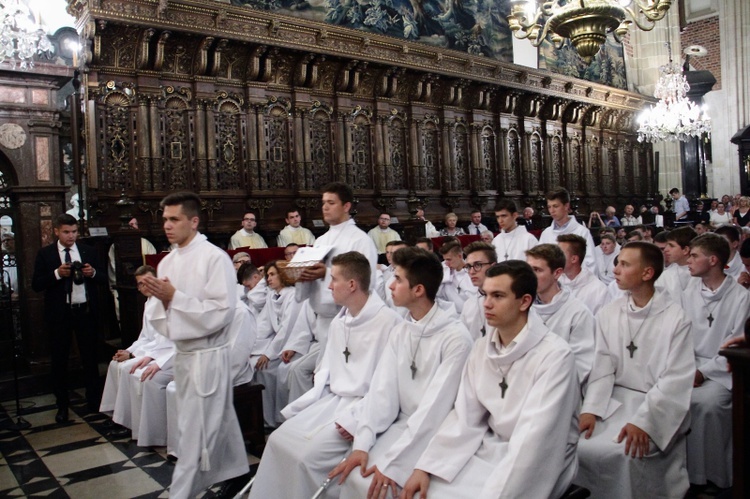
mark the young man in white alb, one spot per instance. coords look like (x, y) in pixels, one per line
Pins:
(456, 287)
(562, 312)
(195, 308)
(513, 430)
(676, 277)
(635, 412)
(479, 258)
(558, 206)
(581, 282)
(413, 387)
(320, 424)
(717, 307)
(513, 239)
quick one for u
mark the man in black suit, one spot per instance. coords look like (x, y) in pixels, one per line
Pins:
(70, 305)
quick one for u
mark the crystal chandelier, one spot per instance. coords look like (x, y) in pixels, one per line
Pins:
(675, 117)
(585, 22)
(21, 38)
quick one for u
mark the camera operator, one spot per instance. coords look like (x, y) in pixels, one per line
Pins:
(68, 273)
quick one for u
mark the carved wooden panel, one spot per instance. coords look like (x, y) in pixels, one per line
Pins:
(430, 165)
(485, 174)
(277, 133)
(360, 170)
(318, 172)
(512, 172)
(395, 175)
(458, 180)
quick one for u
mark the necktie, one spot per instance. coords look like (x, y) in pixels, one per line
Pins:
(69, 279)
(477, 228)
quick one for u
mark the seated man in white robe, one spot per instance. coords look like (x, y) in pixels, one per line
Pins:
(582, 283)
(382, 234)
(456, 287)
(320, 425)
(196, 300)
(558, 206)
(294, 232)
(390, 249)
(560, 311)
(246, 237)
(733, 237)
(146, 387)
(414, 385)
(274, 325)
(717, 307)
(514, 427)
(300, 340)
(675, 278)
(248, 278)
(479, 258)
(606, 253)
(635, 412)
(513, 239)
(148, 346)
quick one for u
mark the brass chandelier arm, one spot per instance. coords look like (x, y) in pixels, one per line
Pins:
(650, 23)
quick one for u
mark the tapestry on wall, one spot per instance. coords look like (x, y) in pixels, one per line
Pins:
(477, 27)
(607, 68)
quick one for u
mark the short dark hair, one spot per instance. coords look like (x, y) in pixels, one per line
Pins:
(342, 190)
(246, 271)
(190, 202)
(486, 248)
(145, 269)
(421, 267)
(522, 276)
(291, 244)
(607, 230)
(476, 210)
(397, 242)
(730, 231)
(681, 235)
(355, 265)
(65, 219)
(559, 193)
(577, 244)
(506, 204)
(661, 237)
(550, 253)
(291, 210)
(425, 240)
(674, 190)
(745, 249)
(453, 246)
(714, 245)
(651, 256)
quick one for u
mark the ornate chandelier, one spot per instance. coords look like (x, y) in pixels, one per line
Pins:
(675, 117)
(585, 22)
(21, 38)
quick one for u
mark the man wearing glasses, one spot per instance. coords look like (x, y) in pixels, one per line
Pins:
(246, 237)
(479, 257)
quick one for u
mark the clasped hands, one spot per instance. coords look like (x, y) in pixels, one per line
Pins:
(160, 287)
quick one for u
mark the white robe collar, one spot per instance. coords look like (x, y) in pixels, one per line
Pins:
(531, 334)
(551, 308)
(372, 306)
(581, 280)
(433, 322)
(199, 238)
(711, 296)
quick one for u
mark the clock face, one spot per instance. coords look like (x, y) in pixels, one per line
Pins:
(12, 136)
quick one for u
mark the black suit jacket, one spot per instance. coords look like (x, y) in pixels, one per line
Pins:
(55, 299)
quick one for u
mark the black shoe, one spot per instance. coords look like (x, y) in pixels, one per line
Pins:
(120, 432)
(62, 415)
(232, 487)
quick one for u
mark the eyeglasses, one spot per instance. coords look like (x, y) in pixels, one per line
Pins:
(248, 220)
(477, 267)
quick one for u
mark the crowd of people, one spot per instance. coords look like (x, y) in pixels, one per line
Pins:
(511, 367)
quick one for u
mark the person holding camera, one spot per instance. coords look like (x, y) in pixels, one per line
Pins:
(68, 274)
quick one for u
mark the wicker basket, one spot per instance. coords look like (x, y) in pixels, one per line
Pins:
(293, 270)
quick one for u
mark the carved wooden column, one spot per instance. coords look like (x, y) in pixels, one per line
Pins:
(475, 168)
(155, 180)
(379, 144)
(416, 130)
(300, 140)
(211, 174)
(142, 162)
(447, 163)
(201, 166)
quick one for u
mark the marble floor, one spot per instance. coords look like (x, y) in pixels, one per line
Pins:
(78, 459)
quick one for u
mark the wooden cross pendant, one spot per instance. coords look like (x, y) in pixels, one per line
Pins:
(347, 353)
(632, 348)
(710, 319)
(413, 368)
(503, 387)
